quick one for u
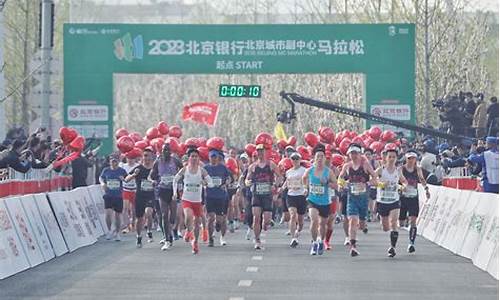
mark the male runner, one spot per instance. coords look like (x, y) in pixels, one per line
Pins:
(128, 194)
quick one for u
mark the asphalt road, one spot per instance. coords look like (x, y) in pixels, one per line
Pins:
(117, 270)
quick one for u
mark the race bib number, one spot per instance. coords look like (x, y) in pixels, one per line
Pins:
(146, 186)
(192, 188)
(295, 184)
(262, 188)
(316, 189)
(167, 180)
(217, 181)
(113, 184)
(389, 193)
(410, 192)
(358, 188)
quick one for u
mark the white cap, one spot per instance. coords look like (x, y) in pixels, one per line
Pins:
(355, 148)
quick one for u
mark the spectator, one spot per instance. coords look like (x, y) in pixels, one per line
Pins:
(469, 110)
(79, 169)
(15, 158)
(489, 162)
(493, 117)
(480, 119)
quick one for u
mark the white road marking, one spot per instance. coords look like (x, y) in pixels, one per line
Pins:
(258, 257)
(252, 269)
(245, 283)
(236, 298)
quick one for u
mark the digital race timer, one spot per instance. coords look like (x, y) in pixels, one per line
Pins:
(229, 90)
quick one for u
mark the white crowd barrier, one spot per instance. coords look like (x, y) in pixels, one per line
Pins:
(38, 227)
(464, 222)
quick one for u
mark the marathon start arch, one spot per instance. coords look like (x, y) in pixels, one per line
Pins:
(385, 53)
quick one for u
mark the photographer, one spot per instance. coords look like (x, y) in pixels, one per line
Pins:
(452, 114)
(16, 158)
(492, 113)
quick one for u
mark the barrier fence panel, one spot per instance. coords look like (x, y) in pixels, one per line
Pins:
(50, 223)
(36, 223)
(92, 213)
(96, 194)
(25, 232)
(12, 256)
(71, 230)
(77, 195)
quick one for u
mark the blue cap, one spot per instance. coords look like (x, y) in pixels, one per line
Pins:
(213, 153)
(443, 146)
(492, 140)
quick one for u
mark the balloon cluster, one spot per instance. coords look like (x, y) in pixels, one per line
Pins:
(73, 145)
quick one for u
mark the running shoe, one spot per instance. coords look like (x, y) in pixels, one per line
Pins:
(391, 252)
(365, 230)
(222, 241)
(294, 243)
(258, 245)
(109, 235)
(150, 237)
(204, 235)
(188, 236)
(288, 233)
(347, 242)
(125, 230)
(211, 242)
(328, 247)
(354, 252)
(166, 246)
(118, 237)
(162, 241)
(321, 248)
(314, 248)
(338, 219)
(248, 235)
(411, 248)
(194, 246)
(139, 242)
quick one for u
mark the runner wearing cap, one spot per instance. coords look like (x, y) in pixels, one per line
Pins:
(128, 195)
(144, 196)
(163, 172)
(409, 197)
(179, 220)
(111, 181)
(261, 176)
(246, 195)
(296, 198)
(388, 196)
(217, 197)
(318, 179)
(358, 172)
(372, 190)
(194, 177)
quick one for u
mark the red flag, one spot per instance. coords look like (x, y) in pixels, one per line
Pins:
(202, 112)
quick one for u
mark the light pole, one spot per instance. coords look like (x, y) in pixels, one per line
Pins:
(46, 44)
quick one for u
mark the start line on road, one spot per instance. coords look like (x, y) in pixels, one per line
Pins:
(120, 271)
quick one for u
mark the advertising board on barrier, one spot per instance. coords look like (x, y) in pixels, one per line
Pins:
(77, 196)
(12, 256)
(50, 223)
(24, 231)
(95, 192)
(36, 223)
(464, 222)
(91, 212)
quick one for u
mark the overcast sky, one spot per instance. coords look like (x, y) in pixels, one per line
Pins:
(491, 5)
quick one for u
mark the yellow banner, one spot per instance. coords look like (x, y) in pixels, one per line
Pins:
(279, 132)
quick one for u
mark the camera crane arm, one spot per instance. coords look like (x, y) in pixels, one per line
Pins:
(293, 98)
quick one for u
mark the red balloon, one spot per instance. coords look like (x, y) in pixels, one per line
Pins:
(377, 146)
(232, 165)
(388, 136)
(285, 164)
(339, 138)
(352, 134)
(306, 164)
(120, 132)
(157, 144)
(135, 136)
(368, 141)
(329, 148)
(397, 142)
(202, 142)
(250, 149)
(375, 133)
(358, 140)
(174, 144)
(203, 153)
(292, 141)
(162, 128)
(344, 145)
(273, 156)
(282, 144)
(390, 146)
(67, 135)
(304, 152)
(152, 133)
(311, 139)
(337, 160)
(125, 144)
(326, 135)
(175, 131)
(215, 143)
(264, 138)
(134, 153)
(141, 145)
(77, 144)
(192, 142)
(182, 149)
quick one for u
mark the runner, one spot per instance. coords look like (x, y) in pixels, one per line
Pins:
(318, 178)
(246, 194)
(164, 170)
(179, 220)
(111, 181)
(358, 172)
(144, 196)
(217, 197)
(409, 198)
(372, 190)
(128, 194)
(333, 206)
(194, 177)
(261, 178)
(388, 196)
(296, 198)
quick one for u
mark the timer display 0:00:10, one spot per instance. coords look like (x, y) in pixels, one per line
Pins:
(252, 91)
